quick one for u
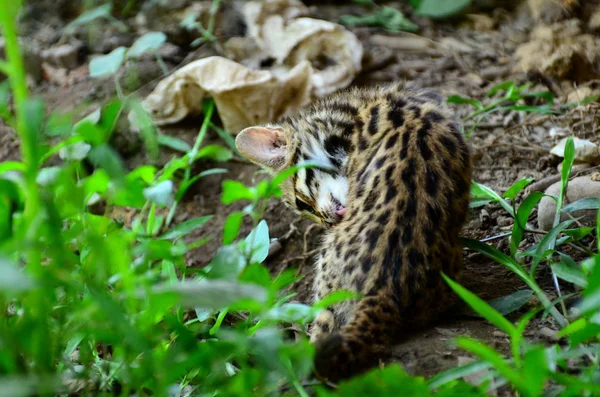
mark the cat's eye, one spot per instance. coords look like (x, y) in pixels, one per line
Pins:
(302, 206)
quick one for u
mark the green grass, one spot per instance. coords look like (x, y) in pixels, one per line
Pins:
(92, 306)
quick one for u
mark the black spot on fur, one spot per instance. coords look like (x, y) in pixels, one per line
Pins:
(380, 161)
(408, 177)
(416, 111)
(350, 253)
(407, 236)
(449, 144)
(323, 326)
(374, 122)
(415, 259)
(345, 108)
(335, 145)
(362, 143)
(431, 182)
(405, 139)
(359, 283)
(376, 181)
(391, 141)
(370, 201)
(366, 263)
(421, 136)
(373, 237)
(348, 128)
(389, 172)
(430, 236)
(391, 193)
(411, 207)
(434, 116)
(396, 116)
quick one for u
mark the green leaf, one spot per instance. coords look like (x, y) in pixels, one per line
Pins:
(227, 263)
(481, 307)
(441, 8)
(147, 42)
(234, 191)
(511, 302)
(455, 373)
(570, 274)
(335, 298)
(535, 370)
(547, 244)
(292, 313)
(490, 355)
(161, 193)
(215, 153)
(521, 218)
(108, 64)
(507, 86)
(516, 188)
(232, 227)
(88, 16)
(583, 204)
(385, 17)
(256, 246)
(13, 279)
(578, 233)
(212, 294)
(9, 166)
(479, 190)
(142, 120)
(513, 266)
(565, 173)
(460, 100)
(75, 152)
(186, 227)
(174, 143)
(387, 382)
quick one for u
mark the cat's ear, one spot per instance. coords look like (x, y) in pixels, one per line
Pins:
(266, 146)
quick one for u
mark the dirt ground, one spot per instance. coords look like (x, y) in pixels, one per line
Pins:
(467, 58)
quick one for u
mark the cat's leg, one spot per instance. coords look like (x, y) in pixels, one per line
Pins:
(323, 325)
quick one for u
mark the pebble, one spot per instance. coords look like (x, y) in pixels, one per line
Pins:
(64, 56)
(549, 334)
(578, 188)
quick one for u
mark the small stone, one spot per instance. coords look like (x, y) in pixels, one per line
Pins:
(498, 334)
(170, 51)
(65, 56)
(274, 248)
(548, 334)
(579, 94)
(577, 189)
(585, 150)
(503, 221)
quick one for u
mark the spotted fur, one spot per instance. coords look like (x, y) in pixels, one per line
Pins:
(391, 184)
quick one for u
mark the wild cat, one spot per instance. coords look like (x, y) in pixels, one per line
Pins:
(391, 186)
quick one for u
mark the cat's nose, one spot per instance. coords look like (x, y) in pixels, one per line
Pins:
(340, 211)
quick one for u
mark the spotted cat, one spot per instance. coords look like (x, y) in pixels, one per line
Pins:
(391, 186)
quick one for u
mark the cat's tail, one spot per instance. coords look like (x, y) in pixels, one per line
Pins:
(362, 343)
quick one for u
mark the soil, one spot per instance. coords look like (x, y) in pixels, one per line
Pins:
(468, 59)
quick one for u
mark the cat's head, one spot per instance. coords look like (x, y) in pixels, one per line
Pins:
(318, 192)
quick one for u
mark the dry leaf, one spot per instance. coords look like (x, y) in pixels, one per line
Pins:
(243, 96)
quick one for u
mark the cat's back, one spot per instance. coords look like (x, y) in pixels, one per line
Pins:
(409, 174)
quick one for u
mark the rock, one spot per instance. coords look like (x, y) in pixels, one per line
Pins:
(548, 334)
(585, 151)
(578, 188)
(579, 94)
(64, 56)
